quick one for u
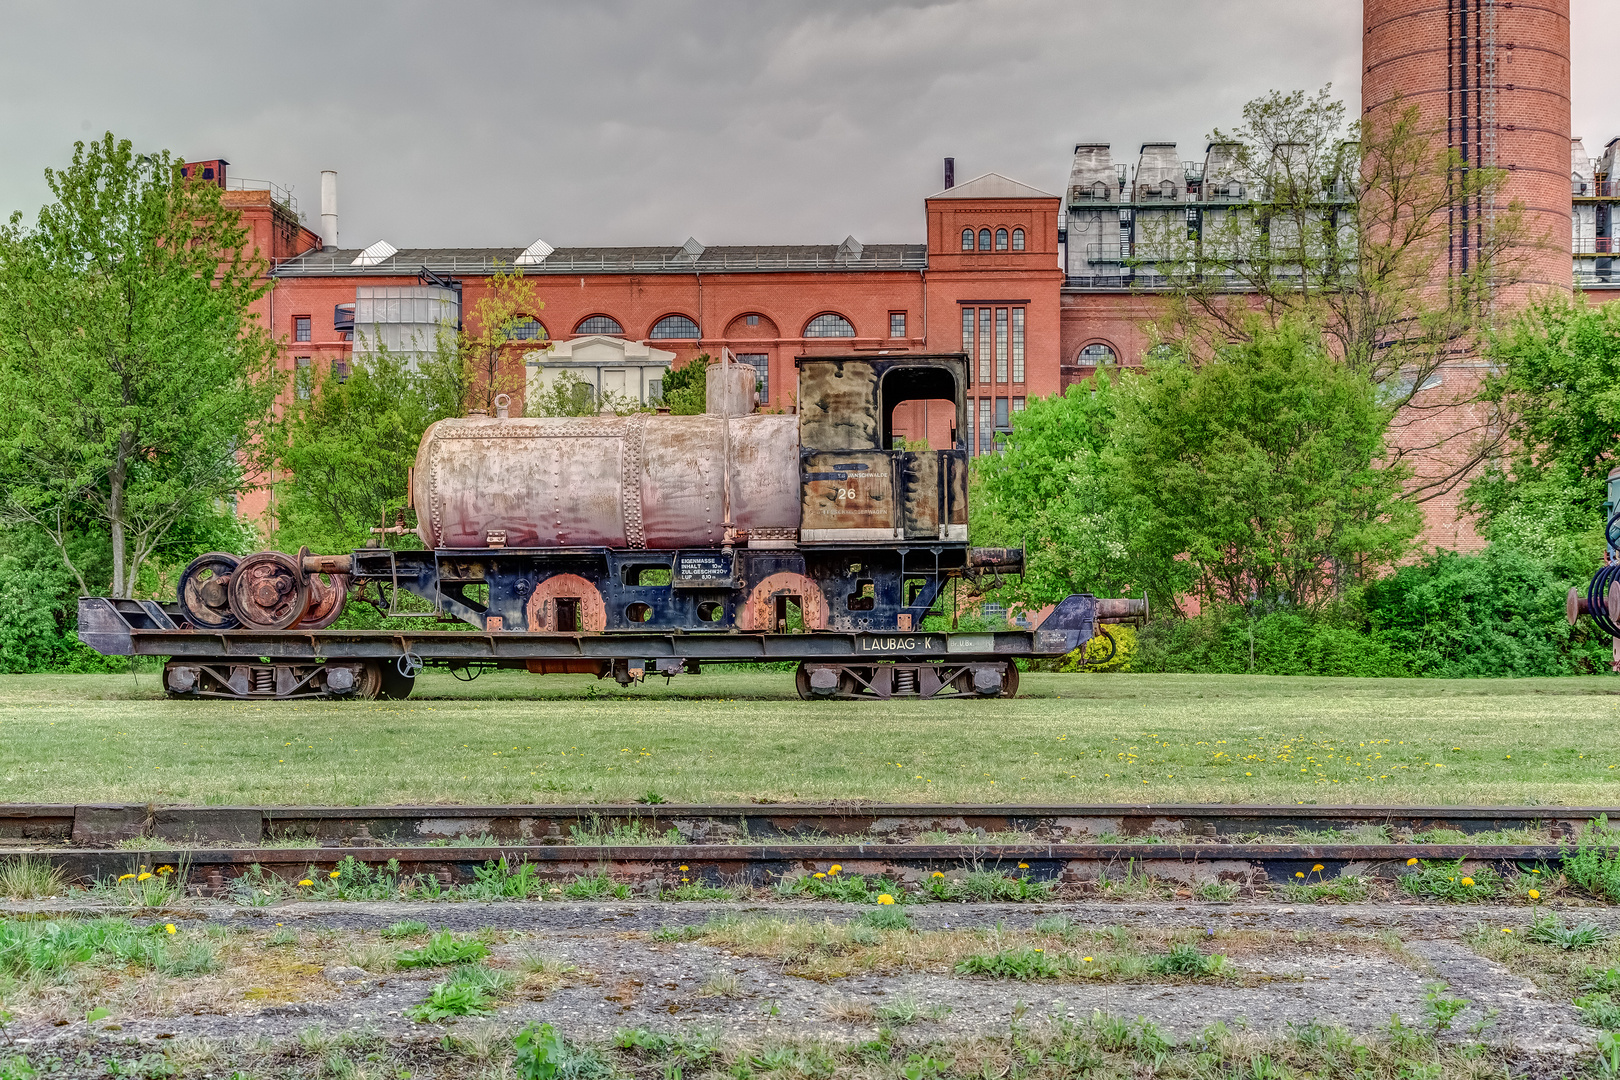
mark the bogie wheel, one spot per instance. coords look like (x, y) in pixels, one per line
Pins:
(204, 592)
(395, 685)
(268, 591)
(1009, 681)
(326, 600)
(801, 680)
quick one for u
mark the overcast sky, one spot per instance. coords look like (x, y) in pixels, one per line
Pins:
(486, 122)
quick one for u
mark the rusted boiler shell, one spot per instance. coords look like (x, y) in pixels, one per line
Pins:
(635, 481)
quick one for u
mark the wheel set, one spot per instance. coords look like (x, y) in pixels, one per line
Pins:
(185, 677)
(892, 680)
(264, 591)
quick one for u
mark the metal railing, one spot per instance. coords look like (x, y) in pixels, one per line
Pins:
(319, 265)
(278, 193)
(1593, 245)
(1595, 189)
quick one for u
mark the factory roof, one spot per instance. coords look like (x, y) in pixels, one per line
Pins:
(847, 256)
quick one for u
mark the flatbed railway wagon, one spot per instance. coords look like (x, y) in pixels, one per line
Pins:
(625, 546)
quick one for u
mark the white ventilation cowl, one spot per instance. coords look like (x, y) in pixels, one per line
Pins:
(535, 253)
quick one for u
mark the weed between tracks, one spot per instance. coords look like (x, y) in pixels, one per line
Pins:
(882, 942)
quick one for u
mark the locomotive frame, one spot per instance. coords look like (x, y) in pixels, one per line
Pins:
(881, 531)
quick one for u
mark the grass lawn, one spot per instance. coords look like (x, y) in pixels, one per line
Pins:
(511, 737)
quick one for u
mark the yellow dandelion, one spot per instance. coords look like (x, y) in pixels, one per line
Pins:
(143, 877)
(1467, 881)
(165, 869)
(1023, 866)
(1317, 869)
(684, 869)
(1299, 873)
(938, 874)
(832, 871)
(306, 881)
(1533, 894)
(820, 875)
(1411, 862)
(168, 928)
(126, 877)
(1506, 930)
(885, 898)
(335, 873)
(1085, 959)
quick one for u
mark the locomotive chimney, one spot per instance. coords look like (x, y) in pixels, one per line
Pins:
(950, 173)
(329, 232)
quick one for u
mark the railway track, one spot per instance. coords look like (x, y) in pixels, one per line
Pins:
(106, 824)
(756, 845)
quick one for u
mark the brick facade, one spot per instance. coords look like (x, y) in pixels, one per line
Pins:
(1495, 73)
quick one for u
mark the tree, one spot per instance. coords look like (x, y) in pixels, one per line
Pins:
(1262, 468)
(1557, 380)
(487, 339)
(346, 450)
(133, 375)
(1055, 490)
(1377, 234)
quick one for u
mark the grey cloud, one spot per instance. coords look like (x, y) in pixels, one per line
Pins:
(643, 122)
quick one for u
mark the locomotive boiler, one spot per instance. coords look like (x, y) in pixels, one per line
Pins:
(647, 543)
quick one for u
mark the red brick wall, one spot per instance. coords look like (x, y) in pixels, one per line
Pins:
(1405, 56)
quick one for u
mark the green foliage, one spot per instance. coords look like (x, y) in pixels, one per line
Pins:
(404, 928)
(344, 452)
(498, 881)
(1557, 379)
(1549, 929)
(1021, 964)
(1497, 613)
(448, 1000)
(1446, 881)
(442, 950)
(1440, 1009)
(886, 917)
(540, 1052)
(849, 888)
(1186, 961)
(1264, 468)
(1054, 490)
(686, 389)
(1594, 864)
(132, 369)
(1218, 641)
(595, 887)
(50, 949)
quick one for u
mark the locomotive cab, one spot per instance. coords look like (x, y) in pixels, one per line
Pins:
(861, 483)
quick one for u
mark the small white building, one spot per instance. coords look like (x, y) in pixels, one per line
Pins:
(630, 370)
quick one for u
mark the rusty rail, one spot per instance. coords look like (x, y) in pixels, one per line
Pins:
(881, 824)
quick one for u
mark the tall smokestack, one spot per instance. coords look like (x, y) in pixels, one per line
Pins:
(950, 173)
(329, 232)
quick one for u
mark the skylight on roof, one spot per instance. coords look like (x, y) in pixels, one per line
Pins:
(535, 253)
(377, 253)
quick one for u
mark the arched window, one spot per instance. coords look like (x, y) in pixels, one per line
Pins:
(525, 328)
(1096, 355)
(984, 239)
(674, 326)
(1018, 239)
(600, 324)
(828, 324)
(967, 239)
(1001, 239)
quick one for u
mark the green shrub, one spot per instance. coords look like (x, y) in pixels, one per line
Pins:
(1285, 643)
(1022, 964)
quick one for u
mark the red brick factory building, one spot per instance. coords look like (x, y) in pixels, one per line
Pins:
(1036, 287)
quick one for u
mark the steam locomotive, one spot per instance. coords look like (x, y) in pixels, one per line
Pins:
(626, 545)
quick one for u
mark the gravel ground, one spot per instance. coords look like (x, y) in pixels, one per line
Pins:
(1316, 965)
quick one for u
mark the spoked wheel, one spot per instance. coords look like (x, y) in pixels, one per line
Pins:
(204, 592)
(268, 591)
